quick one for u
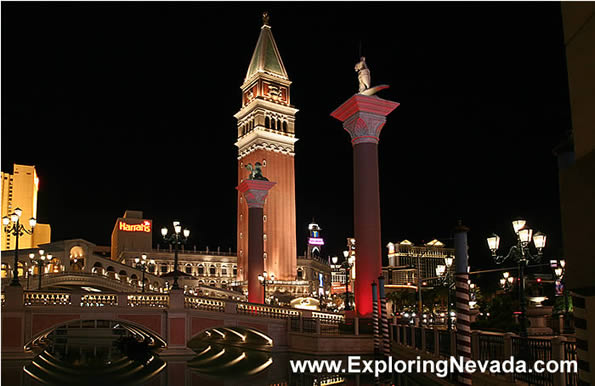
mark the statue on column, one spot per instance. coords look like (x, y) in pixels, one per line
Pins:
(363, 74)
(256, 172)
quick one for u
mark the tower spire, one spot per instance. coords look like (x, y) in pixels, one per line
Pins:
(266, 58)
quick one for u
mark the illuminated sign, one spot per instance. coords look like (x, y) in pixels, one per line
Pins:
(145, 226)
(315, 241)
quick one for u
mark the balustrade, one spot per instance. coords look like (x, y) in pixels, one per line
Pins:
(99, 300)
(156, 301)
(204, 304)
(267, 311)
(46, 298)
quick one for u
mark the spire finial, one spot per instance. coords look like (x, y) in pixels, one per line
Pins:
(265, 18)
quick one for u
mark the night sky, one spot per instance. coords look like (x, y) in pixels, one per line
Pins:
(130, 106)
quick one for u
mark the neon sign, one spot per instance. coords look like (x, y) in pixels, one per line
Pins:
(315, 241)
(145, 226)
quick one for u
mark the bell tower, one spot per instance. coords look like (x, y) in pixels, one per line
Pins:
(266, 134)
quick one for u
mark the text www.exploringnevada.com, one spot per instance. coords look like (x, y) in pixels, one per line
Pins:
(441, 368)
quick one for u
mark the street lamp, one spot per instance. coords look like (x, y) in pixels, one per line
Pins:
(560, 272)
(347, 264)
(142, 264)
(40, 260)
(263, 279)
(506, 281)
(522, 255)
(13, 226)
(176, 239)
(445, 276)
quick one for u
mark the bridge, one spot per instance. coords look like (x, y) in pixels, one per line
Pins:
(171, 320)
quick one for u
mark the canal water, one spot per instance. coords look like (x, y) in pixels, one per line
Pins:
(102, 360)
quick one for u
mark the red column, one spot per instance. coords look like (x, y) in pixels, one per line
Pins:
(363, 117)
(255, 193)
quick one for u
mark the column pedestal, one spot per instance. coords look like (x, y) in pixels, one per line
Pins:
(255, 193)
(363, 117)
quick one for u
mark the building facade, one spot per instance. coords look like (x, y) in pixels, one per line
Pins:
(408, 263)
(19, 190)
(266, 134)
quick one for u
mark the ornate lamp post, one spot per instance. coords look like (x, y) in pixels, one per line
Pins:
(521, 254)
(263, 279)
(445, 276)
(176, 239)
(142, 264)
(506, 281)
(347, 264)
(40, 263)
(13, 226)
(560, 272)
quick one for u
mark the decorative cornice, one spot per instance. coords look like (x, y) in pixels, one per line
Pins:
(259, 103)
(364, 116)
(255, 192)
(260, 138)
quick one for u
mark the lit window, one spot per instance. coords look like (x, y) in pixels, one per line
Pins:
(264, 163)
(264, 218)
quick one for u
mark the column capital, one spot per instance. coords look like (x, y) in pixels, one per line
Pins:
(364, 116)
(255, 192)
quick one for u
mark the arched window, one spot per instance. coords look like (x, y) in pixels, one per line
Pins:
(77, 258)
(224, 284)
(235, 270)
(189, 268)
(267, 122)
(151, 268)
(224, 270)
(201, 269)
(285, 126)
(300, 273)
(212, 270)
(212, 283)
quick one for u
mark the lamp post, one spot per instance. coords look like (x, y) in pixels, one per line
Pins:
(560, 272)
(40, 263)
(263, 279)
(521, 254)
(13, 226)
(444, 273)
(347, 264)
(506, 281)
(176, 239)
(142, 264)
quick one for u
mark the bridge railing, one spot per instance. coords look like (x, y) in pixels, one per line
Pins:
(266, 311)
(204, 304)
(46, 299)
(328, 321)
(148, 300)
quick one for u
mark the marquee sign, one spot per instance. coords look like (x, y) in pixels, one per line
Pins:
(315, 241)
(145, 226)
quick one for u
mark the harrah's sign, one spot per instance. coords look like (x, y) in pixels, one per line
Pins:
(145, 226)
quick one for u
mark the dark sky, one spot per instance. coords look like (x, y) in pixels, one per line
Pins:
(130, 106)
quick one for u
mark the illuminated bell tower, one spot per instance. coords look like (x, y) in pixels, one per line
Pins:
(266, 135)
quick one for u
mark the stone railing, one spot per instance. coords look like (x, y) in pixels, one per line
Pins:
(99, 300)
(148, 300)
(197, 303)
(46, 299)
(266, 311)
(328, 318)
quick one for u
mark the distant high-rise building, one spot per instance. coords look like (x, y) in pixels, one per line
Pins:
(266, 135)
(19, 190)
